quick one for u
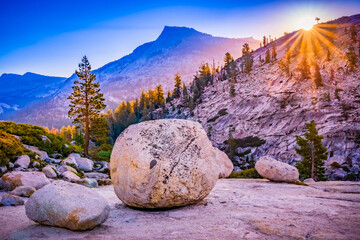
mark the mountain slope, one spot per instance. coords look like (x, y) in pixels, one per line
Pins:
(274, 106)
(18, 91)
(177, 49)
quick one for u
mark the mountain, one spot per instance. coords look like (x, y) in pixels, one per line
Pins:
(177, 49)
(270, 108)
(20, 91)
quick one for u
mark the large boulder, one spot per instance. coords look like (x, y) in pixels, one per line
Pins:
(224, 163)
(17, 178)
(43, 154)
(11, 200)
(274, 170)
(23, 191)
(164, 163)
(68, 205)
(22, 161)
(69, 160)
(84, 164)
(65, 168)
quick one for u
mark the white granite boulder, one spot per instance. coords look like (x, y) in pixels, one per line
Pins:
(275, 170)
(17, 178)
(23, 191)
(84, 164)
(23, 161)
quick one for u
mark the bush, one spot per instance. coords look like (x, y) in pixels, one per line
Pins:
(247, 173)
(248, 141)
(335, 165)
(11, 147)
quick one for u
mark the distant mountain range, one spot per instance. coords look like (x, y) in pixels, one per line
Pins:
(42, 100)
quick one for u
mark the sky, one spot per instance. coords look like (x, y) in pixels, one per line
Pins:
(50, 37)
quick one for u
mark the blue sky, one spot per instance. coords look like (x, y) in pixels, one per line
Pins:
(50, 37)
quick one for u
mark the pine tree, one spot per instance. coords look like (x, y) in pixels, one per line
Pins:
(304, 69)
(351, 57)
(228, 59)
(99, 130)
(86, 101)
(168, 97)
(248, 59)
(177, 89)
(159, 96)
(273, 52)
(267, 56)
(185, 95)
(317, 76)
(232, 90)
(313, 153)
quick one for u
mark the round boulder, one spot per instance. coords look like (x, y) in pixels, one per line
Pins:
(22, 161)
(18, 178)
(70, 176)
(23, 191)
(163, 163)
(49, 172)
(84, 164)
(11, 200)
(275, 170)
(67, 205)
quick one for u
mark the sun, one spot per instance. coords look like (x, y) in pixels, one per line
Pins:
(305, 22)
(307, 26)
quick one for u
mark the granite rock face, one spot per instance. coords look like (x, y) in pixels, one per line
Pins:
(165, 163)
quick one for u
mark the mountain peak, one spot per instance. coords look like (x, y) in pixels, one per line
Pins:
(175, 32)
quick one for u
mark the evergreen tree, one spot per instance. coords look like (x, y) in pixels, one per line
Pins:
(177, 89)
(86, 101)
(159, 96)
(313, 153)
(228, 59)
(248, 59)
(267, 56)
(185, 95)
(168, 97)
(232, 90)
(304, 68)
(351, 57)
(264, 41)
(99, 130)
(317, 76)
(273, 52)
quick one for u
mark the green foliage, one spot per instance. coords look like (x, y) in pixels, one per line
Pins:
(249, 141)
(228, 59)
(99, 130)
(335, 165)
(33, 135)
(177, 89)
(247, 59)
(313, 153)
(247, 173)
(101, 153)
(10, 148)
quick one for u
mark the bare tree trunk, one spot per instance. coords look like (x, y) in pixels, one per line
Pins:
(312, 161)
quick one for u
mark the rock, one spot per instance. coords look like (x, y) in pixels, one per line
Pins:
(36, 164)
(224, 163)
(309, 181)
(88, 182)
(163, 163)
(49, 172)
(49, 160)
(274, 170)
(104, 182)
(104, 167)
(11, 200)
(56, 161)
(43, 154)
(23, 191)
(11, 165)
(56, 155)
(3, 169)
(69, 160)
(16, 179)
(67, 205)
(75, 155)
(65, 168)
(84, 164)
(23, 161)
(70, 176)
(97, 176)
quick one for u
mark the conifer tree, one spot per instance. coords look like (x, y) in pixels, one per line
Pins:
(273, 52)
(317, 76)
(185, 95)
(168, 97)
(99, 130)
(267, 56)
(177, 89)
(353, 33)
(159, 96)
(264, 41)
(228, 59)
(351, 57)
(304, 68)
(232, 90)
(313, 153)
(248, 59)
(86, 101)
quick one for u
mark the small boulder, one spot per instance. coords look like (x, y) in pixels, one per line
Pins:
(16, 179)
(65, 168)
(3, 169)
(43, 154)
(309, 181)
(22, 161)
(75, 155)
(97, 176)
(11, 200)
(49, 172)
(36, 164)
(69, 160)
(88, 182)
(164, 163)
(84, 164)
(23, 191)
(67, 205)
(275, 170)
(70, 176)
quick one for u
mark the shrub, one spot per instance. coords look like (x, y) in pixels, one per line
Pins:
(222, 112)
(335, 165)
(10, 148)
(247, 173)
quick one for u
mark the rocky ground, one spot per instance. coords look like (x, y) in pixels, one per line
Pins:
(235, 209)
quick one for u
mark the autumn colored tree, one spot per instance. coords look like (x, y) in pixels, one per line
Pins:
(273, 52)
(267, 56)
(177, 89)
(228, 59)
(86, 101)
(317, 76)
